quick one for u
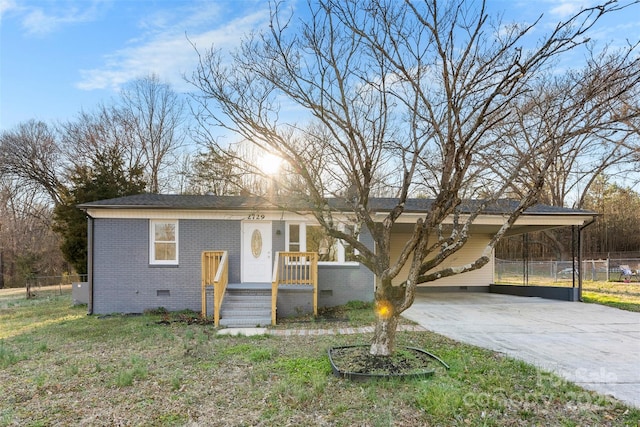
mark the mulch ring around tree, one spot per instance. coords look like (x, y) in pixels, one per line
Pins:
(356, 363)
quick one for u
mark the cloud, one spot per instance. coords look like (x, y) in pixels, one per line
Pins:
(45, 18)
(7, 5)
(567, 8)
(165, 48)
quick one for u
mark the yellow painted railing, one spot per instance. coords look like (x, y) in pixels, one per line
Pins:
(215, 272)
(294, 268)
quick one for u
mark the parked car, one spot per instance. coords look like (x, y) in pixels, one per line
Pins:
(567, 273)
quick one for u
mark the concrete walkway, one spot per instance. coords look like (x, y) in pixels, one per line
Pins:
(594, 346)
(305, 332)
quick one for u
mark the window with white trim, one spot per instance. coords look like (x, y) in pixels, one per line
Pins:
(303, 237)
(295, 237)
(164, 242)
(349, 252)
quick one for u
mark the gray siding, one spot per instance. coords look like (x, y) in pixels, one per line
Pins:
(125, 282)
(278, 235)
(343, 283)
(337, 285)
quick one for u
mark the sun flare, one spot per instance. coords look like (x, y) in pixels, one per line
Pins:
(269, 164)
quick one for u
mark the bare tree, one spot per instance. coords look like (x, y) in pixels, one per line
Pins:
(155, 113)
(31, 154)
(428, 91)
(598, 136)
(213, 173)
(144, 128)
(25, 233)
(183, 171)
(595, 137)
(94, 132)
(632, 110)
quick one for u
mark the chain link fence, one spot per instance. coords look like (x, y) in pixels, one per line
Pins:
(35, 283)
(515, 271)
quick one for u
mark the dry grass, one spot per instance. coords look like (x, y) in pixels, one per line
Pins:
(61, 367)
(625, 296)
(16, 296)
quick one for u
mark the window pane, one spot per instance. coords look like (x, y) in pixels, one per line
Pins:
(164, 242)
(318, 241)
(165, 251)
(349, 251)
(165, 232)
(294, 234)
(294, 247)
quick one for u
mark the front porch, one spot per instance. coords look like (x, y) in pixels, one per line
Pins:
(254, 304)
(245, 305)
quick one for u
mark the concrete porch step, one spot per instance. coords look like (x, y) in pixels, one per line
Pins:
(227, 312)
(247, 297)
(233, 322)
(246, 305)
(246, 302)
(254, 293)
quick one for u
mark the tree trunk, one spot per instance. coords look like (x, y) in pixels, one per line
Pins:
(384, 336)
(388, 299)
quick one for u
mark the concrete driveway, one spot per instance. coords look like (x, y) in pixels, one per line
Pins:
(591, 345)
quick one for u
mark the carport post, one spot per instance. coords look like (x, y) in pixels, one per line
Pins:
(580, 230)
(574, 257)
(525, 259)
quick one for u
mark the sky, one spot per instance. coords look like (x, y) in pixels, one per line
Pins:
(60, 57)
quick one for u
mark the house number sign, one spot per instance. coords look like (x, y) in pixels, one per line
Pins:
(255, 216)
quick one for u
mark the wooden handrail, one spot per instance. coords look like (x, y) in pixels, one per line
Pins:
(215, 272)
(274, 288)
(221, 271)
(294, 268)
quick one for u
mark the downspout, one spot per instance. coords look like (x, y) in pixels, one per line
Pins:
(580, 273)
(90, 262)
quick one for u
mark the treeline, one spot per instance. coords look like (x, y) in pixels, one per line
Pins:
(615, 232)
(43, 178)
(132, 145)
(149, 140)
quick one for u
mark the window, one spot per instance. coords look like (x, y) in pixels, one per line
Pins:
(349, 251)
(302, 237)
(164, 242)
(326, 246)
(296, 237)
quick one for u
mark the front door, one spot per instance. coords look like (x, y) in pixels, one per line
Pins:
(256, 252)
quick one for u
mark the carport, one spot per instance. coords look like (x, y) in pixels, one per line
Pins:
(594, 346)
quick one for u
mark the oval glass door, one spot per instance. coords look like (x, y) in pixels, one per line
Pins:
(256, 243)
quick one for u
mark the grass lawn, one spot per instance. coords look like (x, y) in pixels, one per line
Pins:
(625, 296)
(59, 366)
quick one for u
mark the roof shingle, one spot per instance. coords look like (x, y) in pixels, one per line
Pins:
(210, 202)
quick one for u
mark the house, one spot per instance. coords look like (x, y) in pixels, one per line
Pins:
(148, 251)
